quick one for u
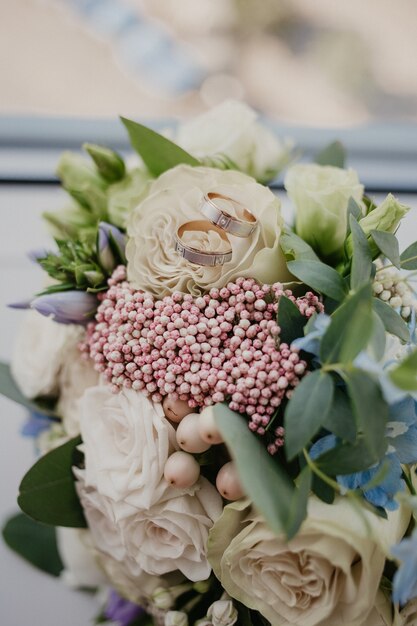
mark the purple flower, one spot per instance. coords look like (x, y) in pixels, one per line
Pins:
(67, 307)
(121, 611)
(111, 243)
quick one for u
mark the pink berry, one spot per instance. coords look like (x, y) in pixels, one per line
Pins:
(207, 427)
(188, 435)
(181, 470)
(227, 482)
(175, 410)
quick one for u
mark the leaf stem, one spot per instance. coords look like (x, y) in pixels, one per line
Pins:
(314, 468)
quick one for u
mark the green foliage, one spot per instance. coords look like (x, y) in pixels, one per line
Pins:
(9, 389)
(109, 163)
(34, 542)
(388, 245)
(283, 514)
(334, 154)
(339, 419)
(404, 375)
(320, 277)
(47, 492)
(361, 268)
(350, 328)
(393, 322)
(158, 153)
(290, 320)
(295, 248)
(409, 257)
(307, 410)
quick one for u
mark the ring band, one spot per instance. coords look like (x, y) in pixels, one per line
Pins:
(241, 226)
(196, 256)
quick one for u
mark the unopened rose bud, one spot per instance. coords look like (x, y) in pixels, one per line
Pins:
(222, 613)
(162, 598)
(176, 618)
(109, 163)
(202, 586)
(67, 307)
(83, 182)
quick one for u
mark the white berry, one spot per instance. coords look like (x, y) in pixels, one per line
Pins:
(227, 482)
(181, 470)
(175, 410)
(188, 435)
(207, 427)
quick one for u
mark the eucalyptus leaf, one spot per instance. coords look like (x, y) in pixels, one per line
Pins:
(354, 209)
(320, 277)
(404, 375)
(334, 154)
(393, 322)
(361, 268)
(307, 410)
(47, 492)
(378, 337)
(298, 503)
(370, 410)
(388, 245)
(409, 257)
(34, 542)
(290, 320)
(9, 389)
(269, 487)
(158, 153)
(295, 248)
(347, 458)
(350, 329)
(340, 419)
(323, 490)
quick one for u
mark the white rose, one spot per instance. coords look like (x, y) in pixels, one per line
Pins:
(127, 441)
(174, 198)
(77, 374)
(320, 195)
(76, 552)
(173, 534)
(327, 575)
(39, 353)
(407, 616)
(230, 130)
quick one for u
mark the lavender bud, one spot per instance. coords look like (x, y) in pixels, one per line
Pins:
(67, 307)
(111, 243)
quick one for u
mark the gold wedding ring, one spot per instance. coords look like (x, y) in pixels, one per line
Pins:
(200, 257)
(242, 225)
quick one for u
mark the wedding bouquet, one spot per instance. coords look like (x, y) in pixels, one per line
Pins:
(223, 405)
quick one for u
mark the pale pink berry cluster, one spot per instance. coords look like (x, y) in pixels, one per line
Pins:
(223, 346)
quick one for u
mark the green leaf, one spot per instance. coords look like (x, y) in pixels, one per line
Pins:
(333, 154)
(378, 337)
(393, 322)
(361, 256)
(340, 419)
(109, 163)
(404, 375)
(370, 410)
(298, 503)
(290, 320)
(158, 153)
(354, 209)
(388, 245)
(409, 257)
(262, 485)
(9, 389)
(34, 542)
(307, 410)
(295, 248)
(350, 328)
(323, 490)
(347, 458)
(320, 277)
(47, 492)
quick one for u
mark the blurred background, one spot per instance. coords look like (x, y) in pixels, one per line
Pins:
(317, 71)
(320, 63)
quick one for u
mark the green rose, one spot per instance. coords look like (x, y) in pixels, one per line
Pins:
(327, 575)
(320, 194)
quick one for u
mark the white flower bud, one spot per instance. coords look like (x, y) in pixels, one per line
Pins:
(405, 312)
(162, 598)
(395, 302)
(176, 618)
(388, 284)
(222, 613)
(377, 287)
(401, 288)
(385, 295)
(407, 299)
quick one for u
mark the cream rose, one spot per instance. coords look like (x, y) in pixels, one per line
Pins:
(127, 440)
(40, 352)
(174, 198)
(77, 554)
(327, 575)
(407, 616)
(231, 130)
(77, 374)
(320, 195)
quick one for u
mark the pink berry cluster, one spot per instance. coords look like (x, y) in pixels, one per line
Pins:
(223, 346)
